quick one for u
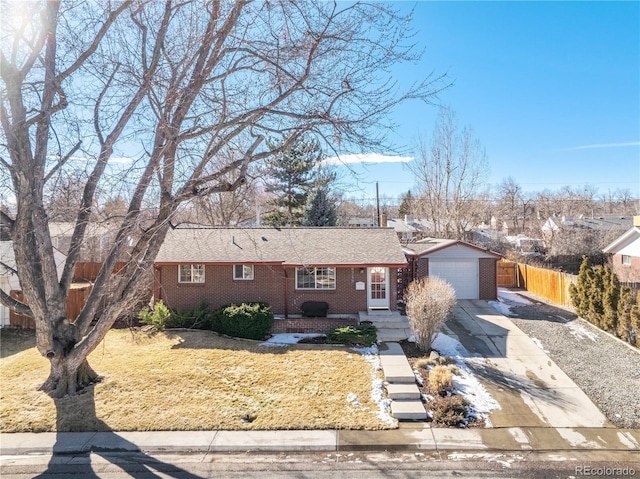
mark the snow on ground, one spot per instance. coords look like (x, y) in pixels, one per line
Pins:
(482, 402)
(539, 344)
(580, 332)
(377, 385)
(286, 339)
(506, 300)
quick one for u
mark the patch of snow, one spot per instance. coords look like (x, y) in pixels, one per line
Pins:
(628, 440)
(539, 344)
(482, 402)
(377, 385)
(506, 300)
(353, 399)
(279, 340)
(580, 332)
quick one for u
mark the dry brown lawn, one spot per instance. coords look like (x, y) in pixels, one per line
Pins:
(191, 380)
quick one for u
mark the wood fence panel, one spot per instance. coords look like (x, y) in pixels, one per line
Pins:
(548, 284)
(18, 320)
(86, 271)
(507, 274)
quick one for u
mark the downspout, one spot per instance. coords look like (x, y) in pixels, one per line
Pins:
(158, 277)
(286, 293)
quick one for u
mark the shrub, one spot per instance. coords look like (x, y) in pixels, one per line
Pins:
(246, 320)
(429, 303)
(362, 335)
(449, 411)
(441, 380)
(196, 318)
(159, 316)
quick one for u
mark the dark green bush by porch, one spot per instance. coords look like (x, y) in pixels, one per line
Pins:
(363, 335)
(246, 320)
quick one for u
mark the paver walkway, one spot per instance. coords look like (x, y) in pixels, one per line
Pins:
(401, 388)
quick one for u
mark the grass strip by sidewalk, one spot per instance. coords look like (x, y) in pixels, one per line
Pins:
(191, 380)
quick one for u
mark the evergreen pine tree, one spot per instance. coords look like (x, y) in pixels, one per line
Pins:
(319, 210)
(596, 298)
(635, 322)
(610, 300)
(291, 175)
(406, 206)
(580, 291)
(625, 304)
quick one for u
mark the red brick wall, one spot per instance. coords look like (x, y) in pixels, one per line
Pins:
(268, 285)
(488, 278)
(422, 268)
(310, 325)
(626, 273)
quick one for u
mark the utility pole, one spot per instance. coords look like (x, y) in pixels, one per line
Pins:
(378, 204)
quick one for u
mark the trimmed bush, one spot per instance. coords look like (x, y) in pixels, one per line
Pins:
(159, 316)
(449, 411)
(195, 318)
(246, 320)
(362, 335)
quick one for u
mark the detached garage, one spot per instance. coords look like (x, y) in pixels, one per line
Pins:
(472, 271)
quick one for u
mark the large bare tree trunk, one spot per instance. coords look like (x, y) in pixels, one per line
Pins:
(197, 88)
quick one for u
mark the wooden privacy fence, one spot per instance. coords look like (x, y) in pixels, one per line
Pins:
(507, 274)
(89, 271)
(546, 283)
(75, 302)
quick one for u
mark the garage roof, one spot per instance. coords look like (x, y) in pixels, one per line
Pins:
(428, 246)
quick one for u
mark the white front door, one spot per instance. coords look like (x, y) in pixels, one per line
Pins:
(378, 287)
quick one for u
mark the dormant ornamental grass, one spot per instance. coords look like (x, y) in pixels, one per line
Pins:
(192, 380)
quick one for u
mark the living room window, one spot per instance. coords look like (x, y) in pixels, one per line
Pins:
(315, 278)
(243, 271)
(191, 273)
(626, 260)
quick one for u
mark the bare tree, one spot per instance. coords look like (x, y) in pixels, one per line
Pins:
(450, 173)
(429, 302)
(174, 86)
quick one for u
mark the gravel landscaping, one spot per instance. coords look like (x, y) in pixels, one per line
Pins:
(606, 369)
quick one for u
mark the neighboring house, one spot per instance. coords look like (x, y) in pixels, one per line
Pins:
(361, 223)
(594, 223)
(96, 244)
(9, 280)
(407, 228)
(353, 270)
(472, 271)
(625, 254)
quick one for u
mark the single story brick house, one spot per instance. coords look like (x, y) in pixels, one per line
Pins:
(471, 270)
(350, 269)
(625, 254)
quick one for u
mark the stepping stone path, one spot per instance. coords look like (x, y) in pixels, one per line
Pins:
(401, 384)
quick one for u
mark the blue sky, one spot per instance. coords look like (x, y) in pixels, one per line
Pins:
(551, 89)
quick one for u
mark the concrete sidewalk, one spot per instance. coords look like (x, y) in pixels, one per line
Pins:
(411, 436)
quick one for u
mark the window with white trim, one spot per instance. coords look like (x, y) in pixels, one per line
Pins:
(243, 271)
(316, 278)
(626, 260)
(191, 273)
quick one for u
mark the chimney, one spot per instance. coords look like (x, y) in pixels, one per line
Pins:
(383, 220)
(408, 218)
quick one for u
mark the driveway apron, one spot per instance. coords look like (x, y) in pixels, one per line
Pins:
(531, 389)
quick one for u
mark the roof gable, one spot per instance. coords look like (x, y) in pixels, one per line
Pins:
(625, 241)
(288, 246)
(430, 246)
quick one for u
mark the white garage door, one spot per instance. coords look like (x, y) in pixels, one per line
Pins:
(462, 274)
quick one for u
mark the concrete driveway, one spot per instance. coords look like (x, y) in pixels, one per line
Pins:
(531, 389)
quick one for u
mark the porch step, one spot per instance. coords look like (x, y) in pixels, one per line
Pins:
(393, 334)
(397, 391)
(408, 410)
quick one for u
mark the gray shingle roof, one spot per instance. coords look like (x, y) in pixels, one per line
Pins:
(290, 246)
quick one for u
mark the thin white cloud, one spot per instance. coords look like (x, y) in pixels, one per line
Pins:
(605, 145)
(366, 158)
